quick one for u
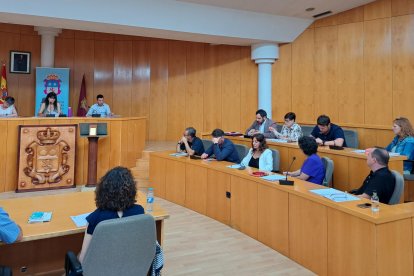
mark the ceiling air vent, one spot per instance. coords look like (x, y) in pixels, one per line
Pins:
(322, 14)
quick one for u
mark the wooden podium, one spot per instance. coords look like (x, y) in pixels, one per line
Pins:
(93, 131)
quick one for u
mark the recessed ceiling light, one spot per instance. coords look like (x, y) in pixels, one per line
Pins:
(310, 9)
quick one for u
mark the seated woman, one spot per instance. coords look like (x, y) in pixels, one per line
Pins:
(291, 130)
(115, 198)
(312, 169)
(50, 106)
(259, 156)
(403, 142)
(7, 109)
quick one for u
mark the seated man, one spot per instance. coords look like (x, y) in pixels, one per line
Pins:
(222, 148)
(261, 125)
(9, 231)
(327, 134)
(190, 143)
(100, 108)
(380, 179)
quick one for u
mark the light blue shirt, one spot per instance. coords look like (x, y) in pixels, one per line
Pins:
(104, 110)
(9, 231)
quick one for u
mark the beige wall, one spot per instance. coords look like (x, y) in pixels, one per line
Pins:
(356, 67)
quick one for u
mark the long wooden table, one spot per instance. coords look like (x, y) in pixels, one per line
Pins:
(328, 238)
(44, 245)
(350, 168)
(123, 145)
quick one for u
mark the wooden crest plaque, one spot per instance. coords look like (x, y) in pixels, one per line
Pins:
(46, 157)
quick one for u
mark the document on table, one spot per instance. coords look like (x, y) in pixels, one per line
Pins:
(335, 195)
(178, 154)
(80, 220)
(277, 140)
(273, 177)
(359, 151)
(235, 166)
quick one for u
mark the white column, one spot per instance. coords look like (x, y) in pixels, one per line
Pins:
(47, 58)
(264, 56)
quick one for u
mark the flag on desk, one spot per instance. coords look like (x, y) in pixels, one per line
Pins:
(3, 83)
(82, 104)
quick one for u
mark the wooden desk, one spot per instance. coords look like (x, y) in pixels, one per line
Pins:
(122, 147)
(44, 245)
(350, 168)
(326, 237)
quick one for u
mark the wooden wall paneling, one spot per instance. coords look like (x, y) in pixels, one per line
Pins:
(326, 21)
(196, 188)
(378, 72)
(367, 138)
(11, 155)
(402, 7)
(384, 137)
(300, 158)
(218, 206)
(121, 100)
(284, 158)
(230, 83)
(212, 88)
(84, 63)
(3, 156)
(126, 128)
(351, 245)
(273, 218)
(139, 138)
(282, 83)
(141, 80)
(64, 58)
(248, 89)
(377, 9)
(175, 182)
(104, 72)
(176, 94)
(395, 255)
(350, 77)
(11, 43)
(303, 77)
(325, 67)
(158, 90)
(194, 86)
(25, 96)
(351, 16)
(244, 203)
(81, 160)
(360, 170)
(157, 175)
(308, 224)
(402, 65)
(112, 143)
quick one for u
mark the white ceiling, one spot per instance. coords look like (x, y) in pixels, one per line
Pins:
(293, 8)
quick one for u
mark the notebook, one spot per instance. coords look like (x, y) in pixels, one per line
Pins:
(40, 217)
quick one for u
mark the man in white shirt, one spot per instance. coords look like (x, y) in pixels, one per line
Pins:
(100, 108)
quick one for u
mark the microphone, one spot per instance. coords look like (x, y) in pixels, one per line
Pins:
(286, 181)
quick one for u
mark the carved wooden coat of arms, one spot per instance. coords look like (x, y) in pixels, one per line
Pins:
(46, 157)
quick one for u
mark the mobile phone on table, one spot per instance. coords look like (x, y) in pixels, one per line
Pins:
(364, 205)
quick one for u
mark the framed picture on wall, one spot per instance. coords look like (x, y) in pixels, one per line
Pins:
(19, 62)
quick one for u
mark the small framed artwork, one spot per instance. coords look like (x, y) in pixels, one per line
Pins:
(19, 62)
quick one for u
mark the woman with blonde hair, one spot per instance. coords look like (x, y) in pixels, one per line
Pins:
(403, 142)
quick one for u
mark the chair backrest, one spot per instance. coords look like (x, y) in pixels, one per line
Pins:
(124, 246)
(206, 143)
(399, 188)
(307, 130)
(328, 164)
(242, 150)
(351, 138)
(276, 160)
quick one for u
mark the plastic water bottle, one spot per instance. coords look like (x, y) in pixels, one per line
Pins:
(69, 111)
(374, 202)
(150, 199)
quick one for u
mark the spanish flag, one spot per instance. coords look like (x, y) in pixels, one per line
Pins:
(3, 83)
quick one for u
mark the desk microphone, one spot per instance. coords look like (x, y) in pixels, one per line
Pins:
(286, 181)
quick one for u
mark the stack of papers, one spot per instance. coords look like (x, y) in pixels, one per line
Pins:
(394, 154)
(273, 177)
(40, 217)
(335, 195)
(359, 151)
(277, 140)
(177, 154)
(80, 220)
(235, 166)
